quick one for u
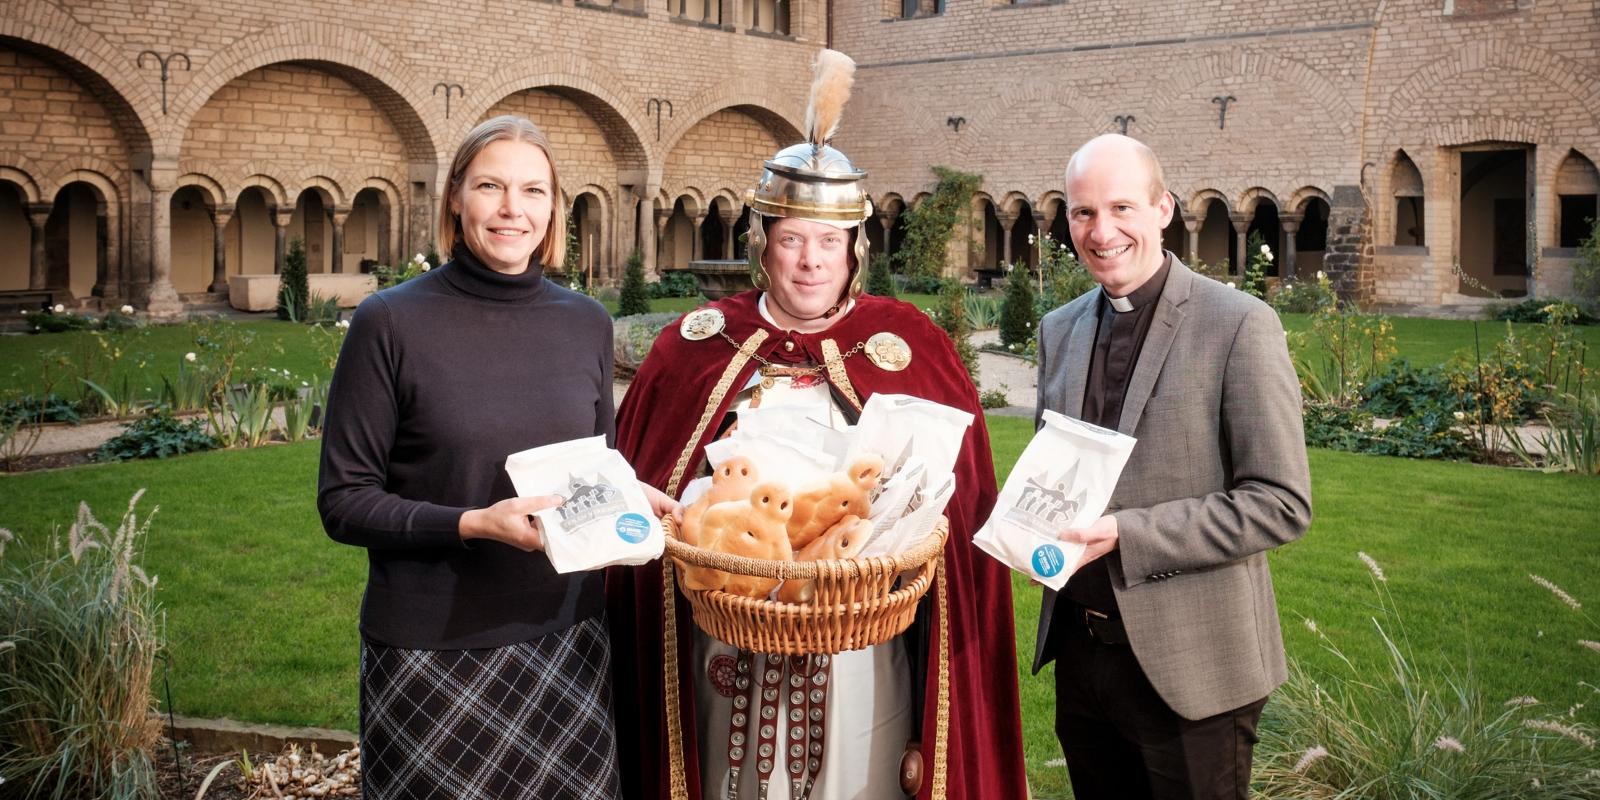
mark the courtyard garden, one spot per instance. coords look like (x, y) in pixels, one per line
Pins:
(1436, 615)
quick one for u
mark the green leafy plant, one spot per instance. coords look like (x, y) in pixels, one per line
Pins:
(930, 223)
(1019, 314)
(632, 338)
(1255, 273)
(294, 289)
(1586, 272)
(36, 409)
(394, 276)
(950, 314)
(157, 434)
(244, 418)
(675, 283)
(190, 391)
(635, 297)
(58, 320)
(880, 279)
(1570, 441)
(80, 631)
(120, 400)
(994, 398)
(1304, 297)
(1062, 277)
(302, 411)
(1401, 390)
(1543, 310)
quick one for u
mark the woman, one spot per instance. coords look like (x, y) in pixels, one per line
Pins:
(484, 673)
(934, 713)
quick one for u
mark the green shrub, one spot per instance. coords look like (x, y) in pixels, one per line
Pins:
(632, 337)
(635, 298)
(1403, 391)
(880, 280)
(920, 284)
(1304, 297)
(951, 314)
(1255, 272)
(34, 409)
(993, 398)
(675, 283)
(394, 276)
(59, 321)
(157, 434)
(930, 223)
(1065, 277)
(982, 310)
(1586, 273)
(1545, 310)
(1429, 434)
(1019, 315)
(294, 289)
(80, 631)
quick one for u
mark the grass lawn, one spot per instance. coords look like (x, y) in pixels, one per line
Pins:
(262, 606)
(1429, 342)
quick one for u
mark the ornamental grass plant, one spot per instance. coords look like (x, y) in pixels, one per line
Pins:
(1412, 728)
(80, 630)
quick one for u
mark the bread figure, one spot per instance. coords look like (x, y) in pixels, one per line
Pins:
(818, 506)
(731, 481)
(867, 471)
(753, 528)
(844, 540)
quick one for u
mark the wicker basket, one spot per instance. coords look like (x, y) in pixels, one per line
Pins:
(855, 606)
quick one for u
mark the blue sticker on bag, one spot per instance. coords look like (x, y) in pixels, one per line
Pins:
(632, 528)
(1048, 560)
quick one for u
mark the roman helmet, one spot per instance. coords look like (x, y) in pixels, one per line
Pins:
(811, 180)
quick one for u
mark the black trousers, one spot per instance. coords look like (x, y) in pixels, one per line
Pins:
(1123, 742)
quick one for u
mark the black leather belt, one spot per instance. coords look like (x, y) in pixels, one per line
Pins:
(1102, 628)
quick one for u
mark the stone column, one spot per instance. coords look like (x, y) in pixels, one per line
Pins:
(1192, 223)
(280, 237)
(162, 300)
(1291, 226)
(341, 215)
(385, 248)
(1007, 221)
(1241, 226)
(102, 250)
(729, 219)
(38, 268)
(1041, 226)
(696, 249)
(647, 231)
(887, 221)
(652, 267)
(219, 255)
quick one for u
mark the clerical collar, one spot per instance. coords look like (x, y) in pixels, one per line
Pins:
(761, 305)
(1146, 293)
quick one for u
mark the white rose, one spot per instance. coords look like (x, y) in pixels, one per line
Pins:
(59, 308)
(24, 312)
(1322, 276)
(343, 323)
(426, 266)
(1030, 238)
(189, 357)
(127, 309)
(1266, 251)
(1231, 286)
(1460, 415)
(1063, 248)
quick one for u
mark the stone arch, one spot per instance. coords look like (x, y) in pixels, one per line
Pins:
(270, 186)
(1492, 54)
(783, 119)
(90, 169)
(1304, 195)
(891, 203)
(1213, 242)
(316, 178)
(581, 81)
(208, 185)
(1036, 93)
(1575, 194)
(1250, 198)
(1012, 202)
(1200, 202)
(80, 234)
(43, 28)
(349, 54)
(1188, 75)
(1404, 217)
(19, 175)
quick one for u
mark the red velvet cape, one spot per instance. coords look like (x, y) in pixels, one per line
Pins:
(658, 415)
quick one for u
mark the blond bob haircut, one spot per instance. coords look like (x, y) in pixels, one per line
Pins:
(552, 252)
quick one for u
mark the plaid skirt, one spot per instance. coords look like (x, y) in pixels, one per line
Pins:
(526, 720)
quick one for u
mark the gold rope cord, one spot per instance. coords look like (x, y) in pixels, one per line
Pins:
(941, 742)
(677, 781)
(836, 374)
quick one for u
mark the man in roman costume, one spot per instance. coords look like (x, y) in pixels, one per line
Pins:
(931, 713)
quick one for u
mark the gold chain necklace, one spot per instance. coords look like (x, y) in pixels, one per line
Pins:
(769, 368)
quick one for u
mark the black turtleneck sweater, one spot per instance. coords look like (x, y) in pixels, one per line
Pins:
(439, 379)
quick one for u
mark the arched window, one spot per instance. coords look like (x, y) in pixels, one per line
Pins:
(1577, 189)
(1409, 216)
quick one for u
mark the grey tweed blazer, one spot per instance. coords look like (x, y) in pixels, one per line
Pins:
(1218, 478)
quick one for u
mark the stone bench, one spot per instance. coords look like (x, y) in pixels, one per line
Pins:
(260, 292)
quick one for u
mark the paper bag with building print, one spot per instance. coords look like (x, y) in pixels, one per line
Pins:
(1064, 479)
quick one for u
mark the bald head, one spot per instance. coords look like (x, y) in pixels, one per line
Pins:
(1122, 152)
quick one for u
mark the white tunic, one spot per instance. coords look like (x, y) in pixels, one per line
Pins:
(869, 698)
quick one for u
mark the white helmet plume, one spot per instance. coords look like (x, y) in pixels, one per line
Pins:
(830, 89)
